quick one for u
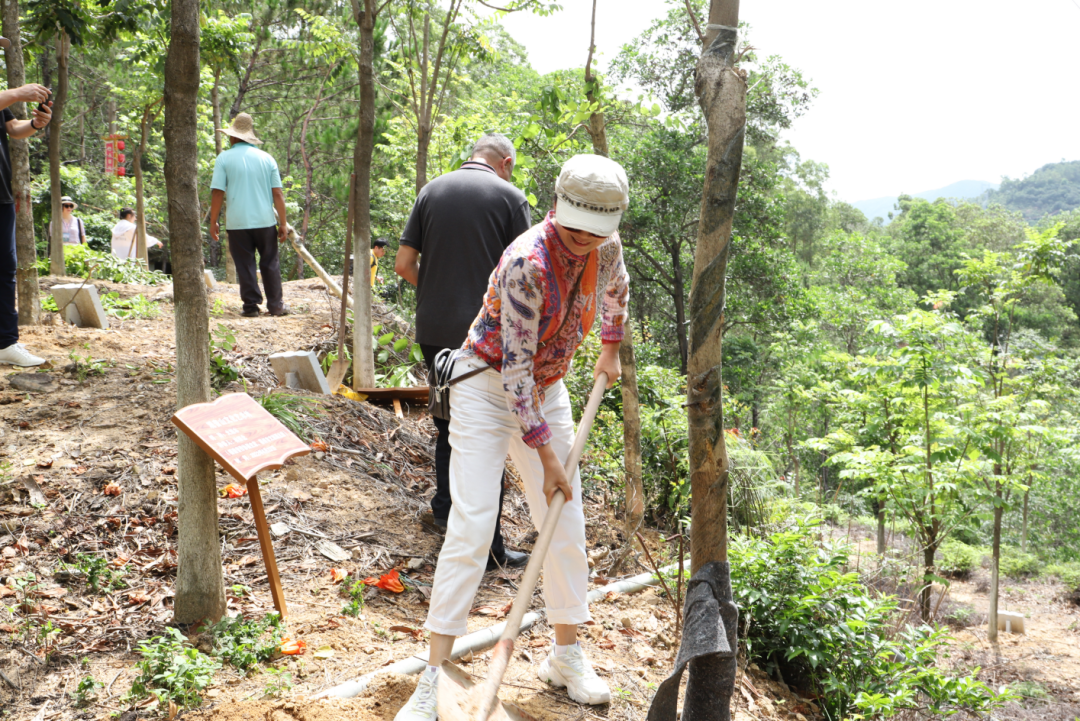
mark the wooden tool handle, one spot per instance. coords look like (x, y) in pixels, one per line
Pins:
(504, 648)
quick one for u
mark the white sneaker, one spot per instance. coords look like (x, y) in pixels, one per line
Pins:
(17, 355)
(421, 705)
(574, 671)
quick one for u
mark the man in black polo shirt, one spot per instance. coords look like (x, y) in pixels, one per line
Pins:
(461, 223)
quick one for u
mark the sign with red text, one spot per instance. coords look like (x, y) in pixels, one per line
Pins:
(240, 434)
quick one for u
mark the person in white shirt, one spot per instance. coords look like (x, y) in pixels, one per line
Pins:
(124, 241)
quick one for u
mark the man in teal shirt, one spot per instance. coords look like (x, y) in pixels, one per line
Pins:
(247, 179)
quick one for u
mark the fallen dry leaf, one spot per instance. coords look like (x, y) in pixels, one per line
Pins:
(5, 591)
(338, 574)
(319, 445)
(137, 597)
(45, 464)
(168, 471)
(113, 489)
(79, 470)
(73, 404)
(497, 612)
(414, 632)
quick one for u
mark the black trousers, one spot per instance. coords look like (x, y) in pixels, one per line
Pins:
(9, 311)
(243, 244)
(441, 502)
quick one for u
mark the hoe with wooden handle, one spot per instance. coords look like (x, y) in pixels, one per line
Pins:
(340, 366)
(456, 701)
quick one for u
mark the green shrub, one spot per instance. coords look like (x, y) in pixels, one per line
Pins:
(1018, 564)
(245, 644)
(171, 670)
(957, 559)
(806, 615)
(79, 260)
(1067, 573)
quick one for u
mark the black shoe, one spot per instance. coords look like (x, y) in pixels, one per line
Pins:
(438, 525)
(283, 310)
(510, 559)
(251, 313)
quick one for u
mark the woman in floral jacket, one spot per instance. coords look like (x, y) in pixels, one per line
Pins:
(550, 287)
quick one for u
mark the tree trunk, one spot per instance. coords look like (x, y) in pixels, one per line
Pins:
(679, 298)
(140, 204)
(881, 527)
(363, 348)
(926, 596)
(26, 277)
(721, 91)
(200, 591)
(995, 568)
(215, 107)
(56, 248)
(1024, 529)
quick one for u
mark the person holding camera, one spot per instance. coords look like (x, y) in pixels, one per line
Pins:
(12, 351)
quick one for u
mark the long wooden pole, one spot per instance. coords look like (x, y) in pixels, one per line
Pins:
(266, 546)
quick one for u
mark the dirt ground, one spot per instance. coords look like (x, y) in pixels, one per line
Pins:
(91, 470)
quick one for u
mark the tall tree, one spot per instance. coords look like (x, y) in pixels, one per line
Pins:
(200, 590)
(721, 91)
(365, 12)
(26, 277)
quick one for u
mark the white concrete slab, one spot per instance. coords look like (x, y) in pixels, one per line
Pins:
(85, 310)
(1010, 622)
(305, 366)
(208, 276)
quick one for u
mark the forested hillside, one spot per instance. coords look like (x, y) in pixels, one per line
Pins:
(900, 402)
(1053, 188)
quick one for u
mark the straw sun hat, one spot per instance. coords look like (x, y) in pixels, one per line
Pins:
(592, 193)
(242, 128)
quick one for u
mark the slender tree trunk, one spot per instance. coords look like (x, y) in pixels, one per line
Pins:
(995, 569)
(140, 201)
(309, 172)
(678, 285)
(245, 82)
(881, 527)
(200, 591)
(26, 277)
(56, 253)
(215, 107)
(721, 91)
(926, 595)
(363, 350)
(423, 116)
(1024, 528)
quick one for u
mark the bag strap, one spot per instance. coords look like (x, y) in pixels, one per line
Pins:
(446, 368)
(570, 303)
(470, 374)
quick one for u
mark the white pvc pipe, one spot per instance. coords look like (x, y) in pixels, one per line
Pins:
(486, 638)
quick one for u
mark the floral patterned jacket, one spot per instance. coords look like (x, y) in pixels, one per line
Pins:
(520, 330)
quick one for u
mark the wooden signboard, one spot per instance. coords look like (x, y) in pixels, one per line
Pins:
(244, 438)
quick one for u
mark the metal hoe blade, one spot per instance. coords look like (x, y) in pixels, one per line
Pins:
(455, 701)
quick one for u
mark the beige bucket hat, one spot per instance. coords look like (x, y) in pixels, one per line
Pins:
(242, 128)
(592, 193)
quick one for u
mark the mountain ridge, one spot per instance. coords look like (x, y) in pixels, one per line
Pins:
(962, 189)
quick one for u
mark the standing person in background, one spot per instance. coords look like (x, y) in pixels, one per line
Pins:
(123, 236)
(248, 181)
(461, 223)
(72, 228)
(11, 350)
(378, 251)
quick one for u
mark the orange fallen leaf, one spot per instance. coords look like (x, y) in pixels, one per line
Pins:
(414, 632)
(319, 445)
(45, 464)
(387, 581)
(113, 490)
(338, 574)
(232, 491)
(292, 648)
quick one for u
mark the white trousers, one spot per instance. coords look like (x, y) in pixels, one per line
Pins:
(482, 431)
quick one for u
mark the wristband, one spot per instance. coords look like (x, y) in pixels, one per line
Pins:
(34, 126)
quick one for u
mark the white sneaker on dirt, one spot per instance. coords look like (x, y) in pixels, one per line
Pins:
(574, 671)
(421, 705)
(17, 355)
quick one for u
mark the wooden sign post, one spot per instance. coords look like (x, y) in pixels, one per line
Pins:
(244, 438)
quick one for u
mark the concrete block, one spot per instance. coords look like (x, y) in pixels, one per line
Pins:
(86, 310)
(1010, 622)
(300, 369)
(208, 276)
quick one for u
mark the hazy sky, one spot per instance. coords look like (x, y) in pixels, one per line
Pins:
(913, 96)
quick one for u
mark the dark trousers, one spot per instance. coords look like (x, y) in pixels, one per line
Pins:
(9, 311)
(441, 502)
(243, 244)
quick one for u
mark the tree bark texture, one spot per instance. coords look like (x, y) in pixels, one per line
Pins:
(140, 201)
(881, 527)
(721, 92)
(995, 571)
(26, 277)
(56, 245)
(363, 347)
(200, 591)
